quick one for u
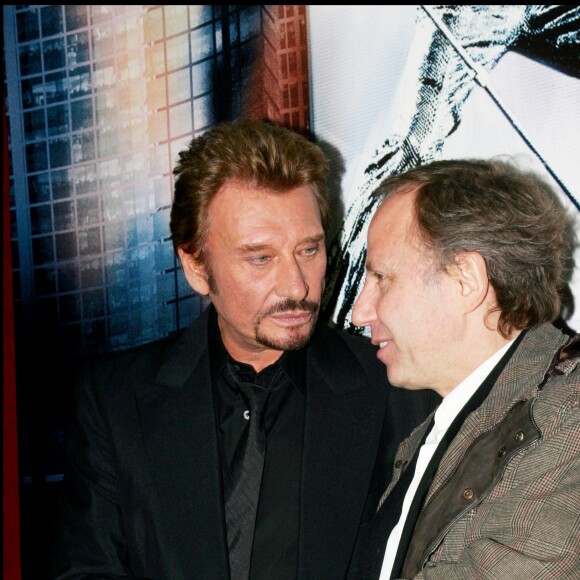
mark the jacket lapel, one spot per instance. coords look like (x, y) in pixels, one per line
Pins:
(342, 430)
(180, 439)
(405, 453)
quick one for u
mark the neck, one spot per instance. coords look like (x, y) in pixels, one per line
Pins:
(473, 353)
(257, 359)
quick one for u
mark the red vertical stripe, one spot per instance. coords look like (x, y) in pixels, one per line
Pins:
(11, 520)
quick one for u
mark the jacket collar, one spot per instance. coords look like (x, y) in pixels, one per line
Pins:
(518, 381)
(327, 353)
(190, 346)
(334, 360)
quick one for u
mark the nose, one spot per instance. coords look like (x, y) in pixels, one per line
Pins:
(363, 311)
(291, 281)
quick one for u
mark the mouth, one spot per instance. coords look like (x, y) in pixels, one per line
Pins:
(292, 317)
(293, 313)
(381, 343)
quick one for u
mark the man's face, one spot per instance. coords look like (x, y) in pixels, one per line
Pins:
(408, 306)
(265, 265)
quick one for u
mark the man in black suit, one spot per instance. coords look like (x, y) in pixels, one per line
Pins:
(156, 442)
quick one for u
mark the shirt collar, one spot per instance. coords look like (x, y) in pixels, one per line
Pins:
(458, 397)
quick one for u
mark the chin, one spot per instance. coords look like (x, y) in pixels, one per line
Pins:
(290, 341)
(395, 380)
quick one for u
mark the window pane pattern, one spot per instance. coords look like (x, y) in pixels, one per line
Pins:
(109, 97)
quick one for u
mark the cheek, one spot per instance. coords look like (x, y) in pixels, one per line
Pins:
(321, 273)
(315, 273)
(369, 300)
(383, 310)
(244, 278)
(397, 309)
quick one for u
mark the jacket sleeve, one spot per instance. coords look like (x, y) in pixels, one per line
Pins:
(89, 538)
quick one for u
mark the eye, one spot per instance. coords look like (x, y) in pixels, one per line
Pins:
(383, 279)
(259, 260)
(310, 251)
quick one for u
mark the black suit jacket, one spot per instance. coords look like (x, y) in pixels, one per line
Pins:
(143, 496)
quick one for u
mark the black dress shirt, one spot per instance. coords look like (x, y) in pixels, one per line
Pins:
(275, 548)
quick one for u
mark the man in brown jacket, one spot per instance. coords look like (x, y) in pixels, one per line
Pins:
(465, 266)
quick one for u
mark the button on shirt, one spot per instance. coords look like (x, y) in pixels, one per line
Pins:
(444, 416)
(275, 548)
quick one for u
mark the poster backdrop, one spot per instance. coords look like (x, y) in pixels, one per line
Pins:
(100, 99)
(394, 86)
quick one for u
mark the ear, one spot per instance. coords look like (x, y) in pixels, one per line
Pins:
(195, 272)
(470, 272)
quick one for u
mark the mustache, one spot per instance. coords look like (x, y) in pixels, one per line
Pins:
(289, 305)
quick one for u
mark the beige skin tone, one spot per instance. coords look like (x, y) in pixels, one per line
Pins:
(432, 328)
(264, 248)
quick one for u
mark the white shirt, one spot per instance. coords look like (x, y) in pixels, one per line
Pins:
(444, 415)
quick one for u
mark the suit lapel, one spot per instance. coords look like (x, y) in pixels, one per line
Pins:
(341, 434)
(180, 439)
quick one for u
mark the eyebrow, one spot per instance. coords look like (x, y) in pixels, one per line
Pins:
(259, 247)
(385, 271)
(253, 247)
(313, 239)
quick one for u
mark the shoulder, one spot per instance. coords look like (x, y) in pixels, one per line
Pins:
(355, 343)
(340, 343)
(560, 388)
(133, 359)
(141, 367)
(345, 360)
(546, 353)
(405, 406)
(115, 375)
